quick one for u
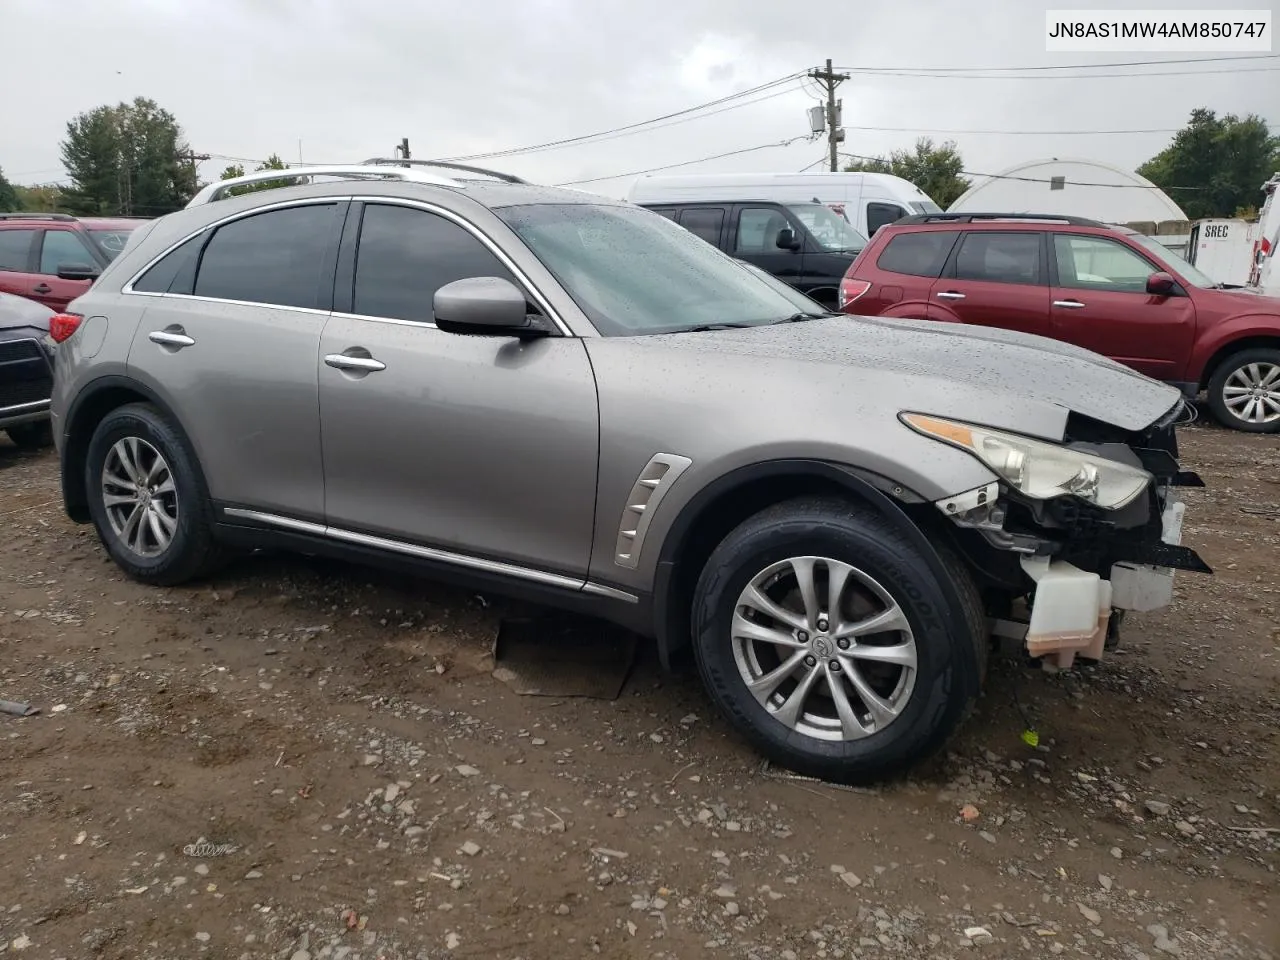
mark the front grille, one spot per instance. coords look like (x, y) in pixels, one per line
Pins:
(25, 376)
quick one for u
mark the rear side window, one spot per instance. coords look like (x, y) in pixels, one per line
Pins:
(1000, 258)
(15, 247)
(63, 248)
(273, 258)
(176, 272)
(406, 255)
(919, 254)
(704, 222)
(668, 212)
(879, 214)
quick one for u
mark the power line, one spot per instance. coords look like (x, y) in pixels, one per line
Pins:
(1069, 66)
(685, 163)
(1013, 133)
(921, 75)
(630, 126)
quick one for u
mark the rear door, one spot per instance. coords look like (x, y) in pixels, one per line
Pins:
(995, 279)
(1100, 302)
(59, 248)
(754, 238)
(18, 262)
(229, 341)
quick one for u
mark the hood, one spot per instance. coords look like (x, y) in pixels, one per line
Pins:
(1250, 299)
(1023, 366)
(20, 312)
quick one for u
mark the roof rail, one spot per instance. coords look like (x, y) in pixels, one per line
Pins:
(974, 217)
(218, 189)
(36, 216)
(390, 161)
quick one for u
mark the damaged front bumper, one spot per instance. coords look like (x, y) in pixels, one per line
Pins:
(1070, 571)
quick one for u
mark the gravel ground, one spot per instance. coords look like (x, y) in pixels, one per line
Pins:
(303, 760)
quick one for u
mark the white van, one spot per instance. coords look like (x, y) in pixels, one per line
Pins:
(867, 200)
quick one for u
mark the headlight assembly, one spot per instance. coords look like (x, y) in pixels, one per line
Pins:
(1037, 469)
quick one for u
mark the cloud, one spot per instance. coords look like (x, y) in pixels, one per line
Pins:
(340, 82)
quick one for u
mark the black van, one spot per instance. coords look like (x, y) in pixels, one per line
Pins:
(808, 245)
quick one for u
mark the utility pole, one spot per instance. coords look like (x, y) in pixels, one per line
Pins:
(402, 151)
(829, 79)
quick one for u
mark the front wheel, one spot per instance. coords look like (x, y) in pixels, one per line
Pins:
(1244, 391)
(825, 636)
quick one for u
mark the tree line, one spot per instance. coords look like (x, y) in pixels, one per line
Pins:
(133, 159)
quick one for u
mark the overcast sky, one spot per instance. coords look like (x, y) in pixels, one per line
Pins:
(337, 81)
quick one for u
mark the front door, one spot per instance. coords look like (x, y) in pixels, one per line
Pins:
(995, 279)
(1100, 302)
(231, 349)
(480, 446)
(62, 248)
(755, 240)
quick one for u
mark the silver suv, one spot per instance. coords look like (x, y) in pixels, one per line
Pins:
(569, 399)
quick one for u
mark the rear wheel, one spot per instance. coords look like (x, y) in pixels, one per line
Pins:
(826, 638)
(31, 436)
(147, 498)
(1244, 392)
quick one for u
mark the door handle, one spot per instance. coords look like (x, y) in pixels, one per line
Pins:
(950, 295)
(1069, 304)
(168, 338)
(41, 288)
(344, 362)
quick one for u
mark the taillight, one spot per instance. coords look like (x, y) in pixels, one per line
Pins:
(851, 290)
(63, 325)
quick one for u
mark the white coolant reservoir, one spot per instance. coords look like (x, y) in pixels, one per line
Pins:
(1069, 613)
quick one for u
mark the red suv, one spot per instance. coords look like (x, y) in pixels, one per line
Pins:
(54, 257)
(1108, 289)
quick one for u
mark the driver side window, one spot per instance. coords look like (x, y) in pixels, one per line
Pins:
(758, 229)
(1095, 263)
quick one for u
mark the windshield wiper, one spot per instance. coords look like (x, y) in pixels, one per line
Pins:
(703, 328)
(801, 317)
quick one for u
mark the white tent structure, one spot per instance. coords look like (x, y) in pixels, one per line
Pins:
(1080, 188)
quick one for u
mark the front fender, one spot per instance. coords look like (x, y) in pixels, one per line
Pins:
(1218, 339)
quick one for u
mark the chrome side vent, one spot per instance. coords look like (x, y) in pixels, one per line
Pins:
(650, 487)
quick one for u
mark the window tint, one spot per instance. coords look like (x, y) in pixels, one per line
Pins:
(15, 245)
(62, 247)
(999, 257)
(274, 257)
(758, 230)
(917, 254)
(405, 255)
(1093, 263)
(878, 214)
(703, 222)
(668, 212)
(175, 273)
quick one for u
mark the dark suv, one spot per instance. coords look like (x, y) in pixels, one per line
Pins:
(52, 258)
(1106, 288)
(807, 245)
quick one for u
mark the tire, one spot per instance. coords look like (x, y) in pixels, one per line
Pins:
(1258, 367)
(882, 567)
(139, 432)
(31, 436)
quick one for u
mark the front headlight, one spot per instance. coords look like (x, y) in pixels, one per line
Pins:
(1037, 469)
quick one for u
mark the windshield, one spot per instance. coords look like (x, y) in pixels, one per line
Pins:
(634, 272)
(1184, 269)
(830, 229)
(110, 240)
(927, 206)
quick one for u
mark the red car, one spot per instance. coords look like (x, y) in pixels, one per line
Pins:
(1105, 288)
(54, 257)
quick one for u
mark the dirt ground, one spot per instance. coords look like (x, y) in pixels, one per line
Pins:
(302, 759)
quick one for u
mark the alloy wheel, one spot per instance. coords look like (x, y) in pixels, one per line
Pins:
(1252, 392)
(140, 497)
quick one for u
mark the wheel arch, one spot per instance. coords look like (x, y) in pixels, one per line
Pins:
(728, 500)
(1252, 342)
(89, 408)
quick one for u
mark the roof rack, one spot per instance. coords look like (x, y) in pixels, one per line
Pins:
(497, 175)
(218, 189)
(36, 216)
(974, 217)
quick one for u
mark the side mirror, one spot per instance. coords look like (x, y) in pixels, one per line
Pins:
(787, 239)
(1161, 284)
(482, 305)
(77, 271)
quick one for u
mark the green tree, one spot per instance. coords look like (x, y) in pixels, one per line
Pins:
(937, 170)
(127, 160)
(41, 198)
(1215, 165)
(8, 195)
(272, 162)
